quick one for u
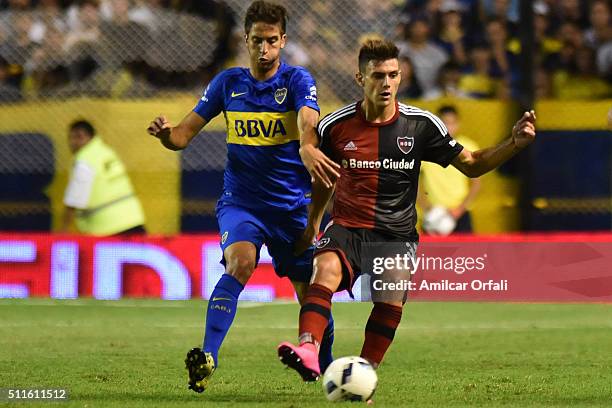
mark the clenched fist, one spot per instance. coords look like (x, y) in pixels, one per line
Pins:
(524, 131)
(160, 127)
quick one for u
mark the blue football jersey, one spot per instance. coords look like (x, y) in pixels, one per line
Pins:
(263, 167)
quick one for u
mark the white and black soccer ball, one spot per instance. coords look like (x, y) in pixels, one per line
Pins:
(438, 221)
(349, 379)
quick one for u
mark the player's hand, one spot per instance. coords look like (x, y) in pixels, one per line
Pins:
(160, 127)
(524, 131)
(320, 167)
(306, 240)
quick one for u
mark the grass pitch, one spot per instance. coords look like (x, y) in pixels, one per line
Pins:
(130, 353)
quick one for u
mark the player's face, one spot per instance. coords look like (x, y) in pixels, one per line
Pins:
(77, 138)
(380, 81)
(451, 121)
(264, 43)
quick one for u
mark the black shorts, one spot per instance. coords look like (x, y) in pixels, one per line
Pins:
(348, 244)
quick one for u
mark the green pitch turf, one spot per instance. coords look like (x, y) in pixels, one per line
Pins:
(130, 353)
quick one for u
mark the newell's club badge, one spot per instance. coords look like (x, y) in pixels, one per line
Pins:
(280, 95)
(322, 242)
(405, 144)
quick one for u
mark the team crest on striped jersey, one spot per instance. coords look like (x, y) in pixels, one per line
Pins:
(323, 242)
(405, 144)
(280, 95)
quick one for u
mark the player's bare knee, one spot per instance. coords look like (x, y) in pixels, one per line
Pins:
(327, 270)
(240, 267)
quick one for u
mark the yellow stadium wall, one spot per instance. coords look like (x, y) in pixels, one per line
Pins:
(155, 171)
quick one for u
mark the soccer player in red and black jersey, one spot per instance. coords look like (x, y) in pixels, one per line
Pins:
(379, 144)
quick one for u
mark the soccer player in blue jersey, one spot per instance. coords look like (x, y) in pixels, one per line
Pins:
(271, 112)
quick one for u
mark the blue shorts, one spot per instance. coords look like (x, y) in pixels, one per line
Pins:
(279, 231)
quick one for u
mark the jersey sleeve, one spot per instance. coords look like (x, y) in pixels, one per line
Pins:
(80, 185)
(212, 102)
(323, 133)
(441, 148)
(304, 90)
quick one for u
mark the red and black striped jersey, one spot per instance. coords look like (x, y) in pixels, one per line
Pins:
(380, 165)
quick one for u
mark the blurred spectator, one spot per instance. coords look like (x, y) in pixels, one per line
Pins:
(47, 64)
(224, 18)
(571, 39)
(601, 25)
(546, 45)
(81, 42)
(372, 15)
(145, 12)
(409, 87)
(581, 80)
(566, 58)
(428, 10)
(85, 26)
(50, 14)
(8, 92)
(117, 27)
(449, 188)
(504, 11)
(447, 85)
(19, 43)
(570, 33)
(99, 198)
(424, 54)
(116, 11)
(573, 11)
(478, 81)
(604, 61)
(451, 35)
(500, 45)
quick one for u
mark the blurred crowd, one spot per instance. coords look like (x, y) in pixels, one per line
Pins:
(110, 47)
(470, 48)
(459, 48)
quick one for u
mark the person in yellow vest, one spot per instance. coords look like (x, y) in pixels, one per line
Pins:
(99, 198)
(449, 188)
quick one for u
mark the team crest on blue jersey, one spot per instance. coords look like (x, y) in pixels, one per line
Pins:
(280, 95)
(405, 144)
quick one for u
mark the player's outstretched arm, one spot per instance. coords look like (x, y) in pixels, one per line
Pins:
(475, 164)
(320, 167)
(321, 194)
(178, 137)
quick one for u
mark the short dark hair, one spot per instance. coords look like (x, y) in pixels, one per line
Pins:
(446, 109)
(263, 11)
(84, 126)
(376, 50)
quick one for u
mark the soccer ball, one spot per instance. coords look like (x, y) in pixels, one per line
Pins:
(438, 221)
(349, 379)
